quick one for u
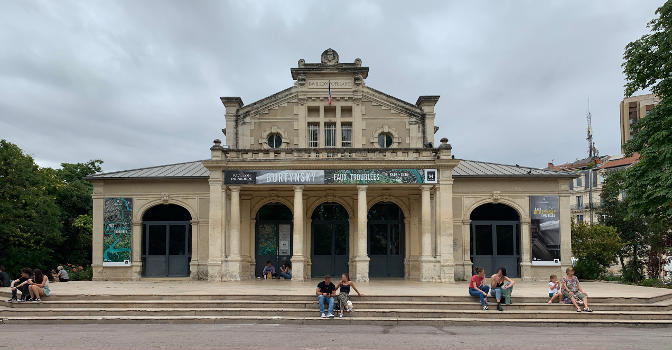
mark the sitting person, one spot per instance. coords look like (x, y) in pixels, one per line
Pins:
(500, 283)
(285, 271)
(344, 293)
(477, 287)
(554, 289)
(38, 286)
(325, 292)
(269, 270)
(571, 289)
(62, 274)
(4, 277)
(21, 285)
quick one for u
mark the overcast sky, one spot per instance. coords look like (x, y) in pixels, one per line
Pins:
(137, 83)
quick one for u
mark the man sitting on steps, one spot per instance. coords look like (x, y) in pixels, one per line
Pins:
(325, 292)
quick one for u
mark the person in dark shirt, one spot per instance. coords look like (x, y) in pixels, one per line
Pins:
(4, 277)
(326, 291)
(21, 284)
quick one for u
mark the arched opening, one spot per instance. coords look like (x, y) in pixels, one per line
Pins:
(166, 241)
(329, 243)
(386, 240)
(273, 236)
(495, 238)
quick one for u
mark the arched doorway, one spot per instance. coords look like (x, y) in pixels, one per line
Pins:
(329, 243)
(166, 241)
(386, 240)
(495, 238)
(273, 236)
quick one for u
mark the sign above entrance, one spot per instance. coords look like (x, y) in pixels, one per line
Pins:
(330, 177)
(334, 84)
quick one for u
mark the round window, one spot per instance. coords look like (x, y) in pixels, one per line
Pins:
(385, 139)
(274, 140)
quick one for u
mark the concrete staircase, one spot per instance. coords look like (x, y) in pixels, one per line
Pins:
(302, 309)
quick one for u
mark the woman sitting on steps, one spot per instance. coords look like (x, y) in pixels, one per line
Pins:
(571, 289)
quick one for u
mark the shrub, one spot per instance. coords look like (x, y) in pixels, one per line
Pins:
(596, 247)
(79, 273)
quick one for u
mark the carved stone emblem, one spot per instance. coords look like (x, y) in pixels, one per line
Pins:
(330, 57)
(496, 196)
(165, 198)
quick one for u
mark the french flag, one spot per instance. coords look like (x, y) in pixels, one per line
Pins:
(329, 91)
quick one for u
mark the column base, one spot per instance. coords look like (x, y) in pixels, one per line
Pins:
(429, 269)
(232, 269)
(361, 265)
(447, 273)
(298, 268)
(214, 271)
(468, 269)
(136, 270)
(97, 273)
(526, 271)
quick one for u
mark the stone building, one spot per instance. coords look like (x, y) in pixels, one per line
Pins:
(330, 175)
(633, 109)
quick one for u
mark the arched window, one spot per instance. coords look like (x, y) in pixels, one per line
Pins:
(274, 140)
(385, 140)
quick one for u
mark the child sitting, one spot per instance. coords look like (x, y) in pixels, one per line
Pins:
(554, 289)
(269, 270)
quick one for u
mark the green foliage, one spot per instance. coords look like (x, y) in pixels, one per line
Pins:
(29, 216)
(45, 214)
(648, 65)
(596, 247)
(79, 273)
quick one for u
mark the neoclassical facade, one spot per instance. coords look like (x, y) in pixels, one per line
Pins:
(330, 176)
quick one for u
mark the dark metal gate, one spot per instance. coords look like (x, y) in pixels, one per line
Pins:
(166, 249)
(496, 244)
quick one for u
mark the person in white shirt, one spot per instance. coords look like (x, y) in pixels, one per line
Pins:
(554, 289)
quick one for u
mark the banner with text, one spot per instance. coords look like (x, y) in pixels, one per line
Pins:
(336, 177)
(545, 230)
(117, 231)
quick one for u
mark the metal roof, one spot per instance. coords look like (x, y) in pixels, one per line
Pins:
(466, 168)
(179, 170)
(473, 168)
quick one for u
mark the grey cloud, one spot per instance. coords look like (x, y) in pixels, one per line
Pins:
(136, 83)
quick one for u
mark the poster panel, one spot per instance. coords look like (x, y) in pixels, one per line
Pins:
(117, 231)
(336, 177)
(284, 236)
(545, 230)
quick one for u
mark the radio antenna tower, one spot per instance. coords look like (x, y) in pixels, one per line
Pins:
(592, 150)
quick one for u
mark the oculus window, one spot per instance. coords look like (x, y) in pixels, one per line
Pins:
(274, 140)
(385, 140)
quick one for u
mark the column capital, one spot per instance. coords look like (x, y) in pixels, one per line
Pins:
(298, 188)
(215, 181)
(362, 187)
(426, 187)
(234, 188)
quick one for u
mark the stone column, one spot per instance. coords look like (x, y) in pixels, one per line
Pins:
(233, 261)
(525, 253)
(565, 233)
(427, 262)
(446, 251)
(466, 248)
(215, 230)
(298, 256)
(193, 264)
(136, 251)
(361, 258)
(97, 234)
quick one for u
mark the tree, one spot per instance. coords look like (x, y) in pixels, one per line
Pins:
(29, 216)
(73, 196)
(648, 65)
(596, 247)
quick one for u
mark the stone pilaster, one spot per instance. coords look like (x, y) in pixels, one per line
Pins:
(193, 264)
(361, 258)
(466, 249)
(136, 250)
(525, 253)
(234, 260)
(298, 255)
(428, 266)
(215, 226)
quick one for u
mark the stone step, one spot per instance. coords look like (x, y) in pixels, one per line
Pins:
(312, 305)
(382, 321)
(309, 297)
(294, 312)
